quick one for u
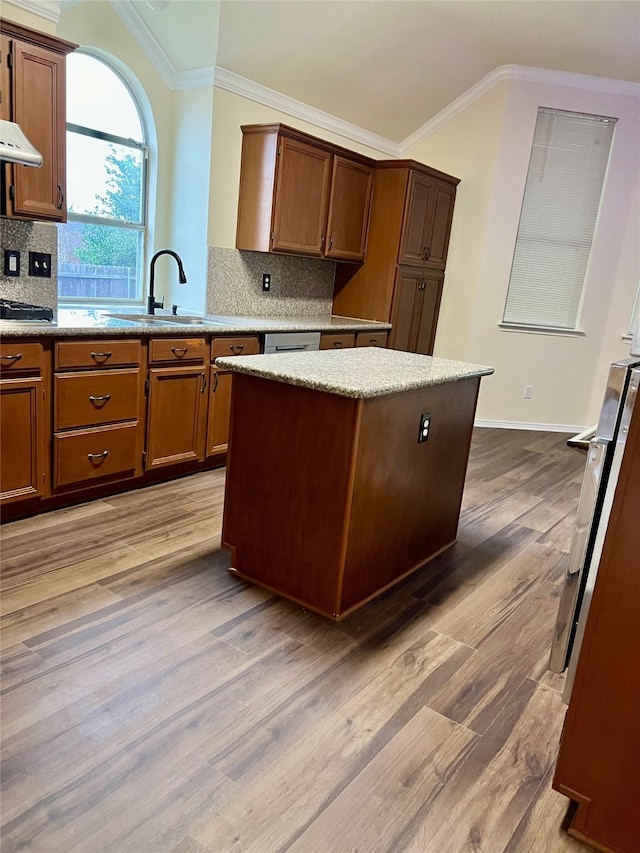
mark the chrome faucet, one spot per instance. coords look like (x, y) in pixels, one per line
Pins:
(151, 300)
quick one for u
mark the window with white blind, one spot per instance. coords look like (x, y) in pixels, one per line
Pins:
(635, 314)
(562, 195)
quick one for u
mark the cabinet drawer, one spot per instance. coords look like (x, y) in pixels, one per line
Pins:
(171, 350)
(17, 356)
(337, 341)
(92, 454)
(371, 339)
(96, 397)
(234, 346)
(98, 353)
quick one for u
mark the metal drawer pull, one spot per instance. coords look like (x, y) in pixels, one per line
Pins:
(101, 354)
(237, 348)
(15, 357)
(203, 387)
(338, 344)
(103, 399)
(60, 203)
(93, 456)
(214, 387)
(180, 350)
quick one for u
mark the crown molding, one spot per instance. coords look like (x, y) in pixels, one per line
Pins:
(129, 16)
(194, 78)
(231, 82)
(47, 9)
(521, 73)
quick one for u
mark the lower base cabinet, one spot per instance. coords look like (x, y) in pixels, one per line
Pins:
(416, 304)
(219, 411)
(176, 416)
(21, 439)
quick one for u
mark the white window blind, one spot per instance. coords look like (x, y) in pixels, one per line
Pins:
(635, 314)
(561, 199)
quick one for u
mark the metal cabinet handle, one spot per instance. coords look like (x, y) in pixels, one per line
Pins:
(103, 399)
(373, 341)
(60, 203)
(237, 348)
(214, 387)
(93, 456)
(96, 355)
(321, 240)
(15, 357)
(330, 242)
(426, 252)
(180, 350)
(338, 344)
(203, 387)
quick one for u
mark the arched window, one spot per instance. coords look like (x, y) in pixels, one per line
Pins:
(101, 248)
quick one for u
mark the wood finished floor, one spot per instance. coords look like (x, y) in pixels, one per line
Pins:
(152, 702)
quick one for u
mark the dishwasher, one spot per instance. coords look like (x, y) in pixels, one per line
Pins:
(291, 342)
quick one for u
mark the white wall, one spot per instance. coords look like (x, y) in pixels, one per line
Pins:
(567, 372)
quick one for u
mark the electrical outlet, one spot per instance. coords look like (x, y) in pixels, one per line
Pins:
(528, 392)
(11, 262)
(40, 264)
(425, 426)
(266, 282)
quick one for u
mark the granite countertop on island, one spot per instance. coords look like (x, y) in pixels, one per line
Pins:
(72, 322)
(359, 373)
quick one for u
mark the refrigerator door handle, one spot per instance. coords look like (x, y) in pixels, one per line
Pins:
(596, 459)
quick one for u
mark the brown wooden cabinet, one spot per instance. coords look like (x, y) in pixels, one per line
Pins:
(176, 416)
(33, 95)
(220, 390)
(416, 304)
(24, 403)
(21, 439)
(98, 412)
(402, 277)
(301, 195)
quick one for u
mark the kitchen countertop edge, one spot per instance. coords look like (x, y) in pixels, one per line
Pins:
(361, 373)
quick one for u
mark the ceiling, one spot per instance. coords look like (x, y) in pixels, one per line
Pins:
(388, 66)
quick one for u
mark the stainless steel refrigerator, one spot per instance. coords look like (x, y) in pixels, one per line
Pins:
(605, 448)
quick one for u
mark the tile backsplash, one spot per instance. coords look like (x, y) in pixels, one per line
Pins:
(28, 237)
(301, 287)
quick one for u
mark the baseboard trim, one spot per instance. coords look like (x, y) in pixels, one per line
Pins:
(572, 428)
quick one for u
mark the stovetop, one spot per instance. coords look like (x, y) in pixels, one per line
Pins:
(11, 310)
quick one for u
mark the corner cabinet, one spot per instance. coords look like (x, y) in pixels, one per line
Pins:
(33, 96)
(402, 278)
(302, 196)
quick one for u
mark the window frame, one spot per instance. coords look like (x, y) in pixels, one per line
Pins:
(107, 221)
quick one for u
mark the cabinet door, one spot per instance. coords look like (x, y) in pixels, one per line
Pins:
(219, 410)
(38, 91)
(406, 295)
(21, 460)
(417, 214)
(439, 226)
(427, 308)
(5, 80)
(176, 421)
(349, 208)
(301, 198)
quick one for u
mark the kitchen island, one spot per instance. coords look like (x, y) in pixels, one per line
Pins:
(345, 470)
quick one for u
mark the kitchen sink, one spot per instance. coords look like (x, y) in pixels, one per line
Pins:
(182, 320)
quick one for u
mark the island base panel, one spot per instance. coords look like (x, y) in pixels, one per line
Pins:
(331, 500)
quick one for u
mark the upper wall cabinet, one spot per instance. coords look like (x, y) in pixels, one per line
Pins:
(402, 278)
(33, 95)
(301, 195)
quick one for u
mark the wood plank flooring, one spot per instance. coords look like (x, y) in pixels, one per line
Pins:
(153, 702)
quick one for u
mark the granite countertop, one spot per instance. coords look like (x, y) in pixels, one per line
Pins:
(86, 322)
(361, 373)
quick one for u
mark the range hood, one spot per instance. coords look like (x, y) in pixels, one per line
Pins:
(15, 147)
